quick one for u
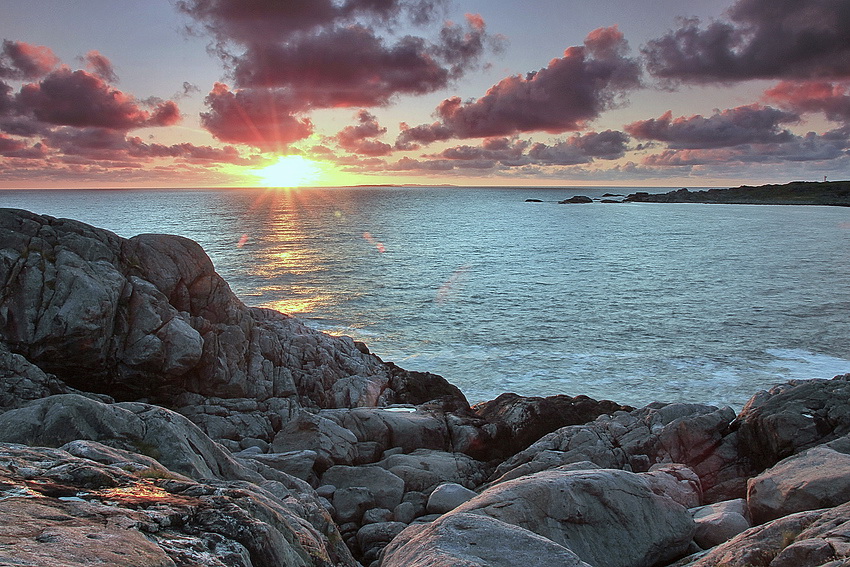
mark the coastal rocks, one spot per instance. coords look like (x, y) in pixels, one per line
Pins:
(523, 420)
(608, 518)
(792, 417)
(473, 540)
(691, 434)
(140, 428)
(806, 539)
(816, 478)
(577, 199)
(148, 318)
(61, 510)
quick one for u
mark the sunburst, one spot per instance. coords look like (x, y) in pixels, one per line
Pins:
(289, 171)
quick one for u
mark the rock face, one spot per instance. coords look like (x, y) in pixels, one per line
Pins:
(816, 478)
(806, 539)
(149, 318)
(62, 510)
(691, 434)
(523, 420)
(793, 417)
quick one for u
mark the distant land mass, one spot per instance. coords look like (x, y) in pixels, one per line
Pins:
(835, 193)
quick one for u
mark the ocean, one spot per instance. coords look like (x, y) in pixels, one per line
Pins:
(630, 302)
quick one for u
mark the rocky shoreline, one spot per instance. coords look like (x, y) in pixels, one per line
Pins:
(149, 418)
(830, 193)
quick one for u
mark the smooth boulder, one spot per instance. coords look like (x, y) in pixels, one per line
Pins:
(609, 518)
(474, 540)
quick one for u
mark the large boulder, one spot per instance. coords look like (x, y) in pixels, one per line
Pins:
(474, 540)
(61, 510)
(386, 487)
(793, 417)
(332, 443)
(816, 478)
(523, 420)
(148, 318)
(608, 518)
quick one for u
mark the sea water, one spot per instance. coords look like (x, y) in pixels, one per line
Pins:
(631, 302)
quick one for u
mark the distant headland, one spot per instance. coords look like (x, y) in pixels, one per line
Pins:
(834, 193)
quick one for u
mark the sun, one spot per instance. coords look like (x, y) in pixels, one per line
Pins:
(289, 171)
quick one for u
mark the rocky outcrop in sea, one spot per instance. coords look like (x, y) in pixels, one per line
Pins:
(149, 418)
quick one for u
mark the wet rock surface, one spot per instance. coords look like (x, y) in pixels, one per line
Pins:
(148, 417)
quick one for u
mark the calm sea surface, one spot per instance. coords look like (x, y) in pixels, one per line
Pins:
(630, 302)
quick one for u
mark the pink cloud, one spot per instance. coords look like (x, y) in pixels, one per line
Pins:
(99, 65)
(564, 96)
(77, 98)
(833, 99)
(731, 127)
(360, 139)
(338, 53)
(19, 60)
(260, 118)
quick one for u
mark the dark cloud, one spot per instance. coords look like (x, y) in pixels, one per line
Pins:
(251, 21)
(833, 99)
(609, 144)
(78, 98)
(361, 140)
(732, 127)
(413, 138)
(811, 147)
(330, 54)
(343, 67)
(260, 118)
(24, 61)
(761, 39)
(563, 96)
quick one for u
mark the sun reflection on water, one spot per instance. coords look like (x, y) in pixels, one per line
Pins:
(285, 258)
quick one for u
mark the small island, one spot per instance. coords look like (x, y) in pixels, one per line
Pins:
(832, 193)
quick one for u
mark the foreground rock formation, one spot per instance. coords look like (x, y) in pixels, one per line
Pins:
(148, 417)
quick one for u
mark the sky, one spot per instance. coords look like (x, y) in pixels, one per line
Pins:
(208, 93)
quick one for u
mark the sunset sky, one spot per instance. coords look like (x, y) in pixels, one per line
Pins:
(197, 93)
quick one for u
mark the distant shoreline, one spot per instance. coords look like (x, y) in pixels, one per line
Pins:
(829, 193)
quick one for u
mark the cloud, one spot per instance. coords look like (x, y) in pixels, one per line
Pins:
(99, 65)
(564, 96)
(360, 139)
(261, 118)
(811, 147)
(24, 61)
(833, 99)
(78, 98)
(329, 54)
(731, 127)
(760, 39)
